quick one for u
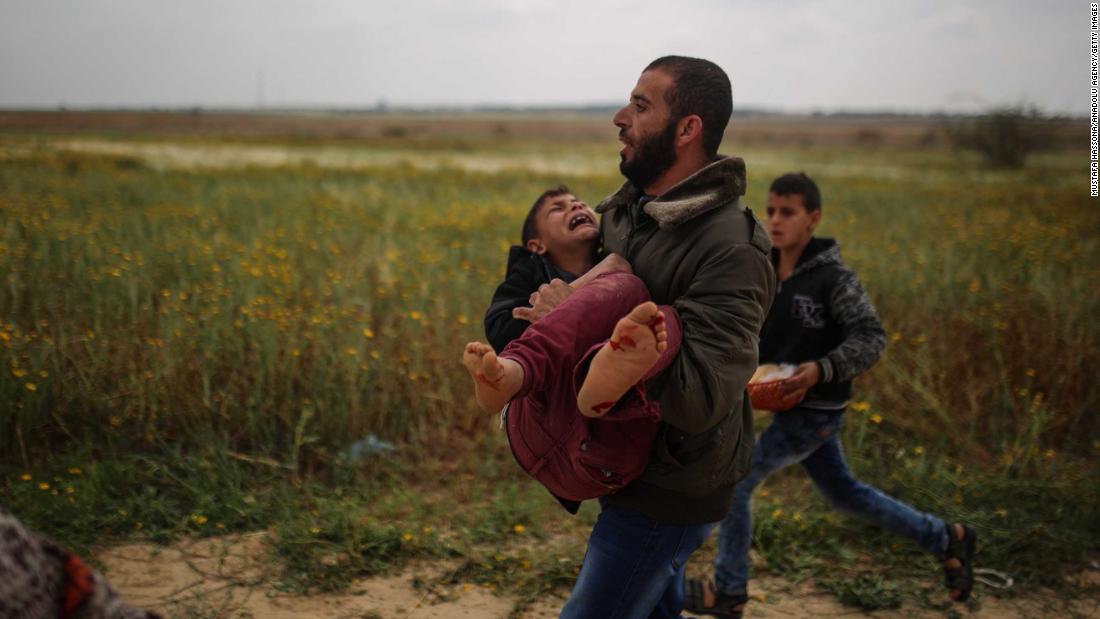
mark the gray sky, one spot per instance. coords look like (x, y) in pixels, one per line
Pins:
(902, 55)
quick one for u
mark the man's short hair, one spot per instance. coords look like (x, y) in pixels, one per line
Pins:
(531, 224)
(703, 88)
(797, 183)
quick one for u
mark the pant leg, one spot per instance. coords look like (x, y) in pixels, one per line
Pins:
(672, 602)
(634, 568)
(550, 348)
(830, 473)
(789, 439)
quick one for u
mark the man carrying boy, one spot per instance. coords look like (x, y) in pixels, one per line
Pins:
(823, 321)
(701, 253)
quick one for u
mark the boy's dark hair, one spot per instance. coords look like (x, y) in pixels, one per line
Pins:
(530, 225)
(798, 184)
(703, 88)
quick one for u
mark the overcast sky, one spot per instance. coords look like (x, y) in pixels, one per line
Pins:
(899, 55)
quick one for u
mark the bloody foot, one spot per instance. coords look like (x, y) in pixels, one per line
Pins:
(496, 380)
(635, 345)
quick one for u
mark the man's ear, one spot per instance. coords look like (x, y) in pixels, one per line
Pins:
(815, 219)
(536, 246)
(688, 129)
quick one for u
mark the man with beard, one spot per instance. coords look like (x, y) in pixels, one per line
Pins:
(680, 224)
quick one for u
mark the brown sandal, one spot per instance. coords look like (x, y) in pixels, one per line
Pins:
(725, 606)
(962, 550)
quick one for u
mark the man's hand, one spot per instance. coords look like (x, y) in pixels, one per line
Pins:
(613, 263)
(807, 375)
(547, 298)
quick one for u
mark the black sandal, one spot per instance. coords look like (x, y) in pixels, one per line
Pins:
(961, 578)
(725, 606)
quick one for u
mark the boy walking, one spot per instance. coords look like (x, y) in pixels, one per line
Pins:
(822, 321)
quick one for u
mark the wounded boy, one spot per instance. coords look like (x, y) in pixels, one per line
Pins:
(572, 383)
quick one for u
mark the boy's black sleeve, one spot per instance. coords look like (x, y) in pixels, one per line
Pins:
(864, 337)
(513, 292)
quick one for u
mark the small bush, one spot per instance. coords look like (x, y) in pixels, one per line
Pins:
(1005, 136)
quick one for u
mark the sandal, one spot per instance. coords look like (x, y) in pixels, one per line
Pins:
(960, 578)
(725, 606)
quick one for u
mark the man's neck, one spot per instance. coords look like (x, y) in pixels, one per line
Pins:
(687, 163)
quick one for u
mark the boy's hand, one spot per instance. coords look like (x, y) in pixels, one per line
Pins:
(807, 375)
(547, 298)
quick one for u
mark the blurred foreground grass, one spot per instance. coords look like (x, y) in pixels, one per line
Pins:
(191, 350)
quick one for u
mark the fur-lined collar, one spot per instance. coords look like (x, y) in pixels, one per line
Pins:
(717, 184)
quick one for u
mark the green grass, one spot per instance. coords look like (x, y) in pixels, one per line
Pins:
(191, 351)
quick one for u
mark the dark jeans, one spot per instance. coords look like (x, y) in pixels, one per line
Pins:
(634, 567)
(812, 439)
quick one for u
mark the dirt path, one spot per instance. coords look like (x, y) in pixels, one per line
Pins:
(233, 577)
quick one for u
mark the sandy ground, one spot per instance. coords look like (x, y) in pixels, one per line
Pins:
(234, 577)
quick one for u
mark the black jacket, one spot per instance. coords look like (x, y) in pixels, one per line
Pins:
(821, 313)
(525, 273)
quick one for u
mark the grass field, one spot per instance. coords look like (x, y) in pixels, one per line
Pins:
(195, 329)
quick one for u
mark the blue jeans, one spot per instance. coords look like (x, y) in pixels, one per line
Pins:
(812, 438)
(634, 567)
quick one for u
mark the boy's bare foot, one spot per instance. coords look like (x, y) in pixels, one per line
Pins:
(495, 380)
(635, 345)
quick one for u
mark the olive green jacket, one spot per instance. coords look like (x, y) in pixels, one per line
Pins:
(700, 250)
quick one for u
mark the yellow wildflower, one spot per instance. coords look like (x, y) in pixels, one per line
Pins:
(43, 486)
(519, 528)
(368, 333)
(32, 387)
(877, 418)
(861, 407)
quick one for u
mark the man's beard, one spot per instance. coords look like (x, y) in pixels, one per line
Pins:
(653, 155)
